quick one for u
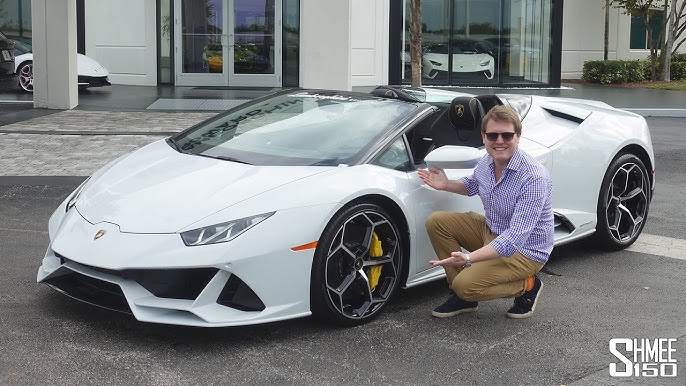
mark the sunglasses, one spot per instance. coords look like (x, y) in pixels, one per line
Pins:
(494, 136)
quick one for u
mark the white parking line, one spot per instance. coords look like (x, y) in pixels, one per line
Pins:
(660, 246)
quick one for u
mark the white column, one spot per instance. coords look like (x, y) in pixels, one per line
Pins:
(325, 48)
(54, 54)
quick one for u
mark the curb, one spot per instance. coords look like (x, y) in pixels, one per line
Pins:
(653, 112)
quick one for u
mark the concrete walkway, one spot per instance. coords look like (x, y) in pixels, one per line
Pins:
(114, 120)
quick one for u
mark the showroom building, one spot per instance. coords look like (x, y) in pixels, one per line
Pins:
(336, 43)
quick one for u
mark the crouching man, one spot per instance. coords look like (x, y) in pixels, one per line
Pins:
(508, 245)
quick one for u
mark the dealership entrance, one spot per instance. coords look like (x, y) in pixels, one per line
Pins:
(228, 43)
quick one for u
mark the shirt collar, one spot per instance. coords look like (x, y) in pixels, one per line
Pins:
(515, 162)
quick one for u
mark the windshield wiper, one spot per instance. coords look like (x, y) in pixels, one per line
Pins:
(226, 158)
(175, 145)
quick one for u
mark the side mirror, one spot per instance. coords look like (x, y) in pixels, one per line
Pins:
(454, 157)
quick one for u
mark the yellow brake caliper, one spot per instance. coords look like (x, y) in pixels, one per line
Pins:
(375, 250)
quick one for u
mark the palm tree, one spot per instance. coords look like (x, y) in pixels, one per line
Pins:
(416, 42)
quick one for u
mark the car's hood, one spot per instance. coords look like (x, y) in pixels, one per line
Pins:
(89, 67)
(470, 60)
(158, 190)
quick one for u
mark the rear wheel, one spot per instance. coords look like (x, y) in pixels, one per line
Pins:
(25, 72)
(623, 203)
(357, 265)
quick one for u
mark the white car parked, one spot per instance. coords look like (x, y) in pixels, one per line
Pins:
(308, 202)
(90, 72)
(466, 55)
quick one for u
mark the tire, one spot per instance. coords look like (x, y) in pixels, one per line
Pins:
(25, 73)
(342, 290)
(623, 203)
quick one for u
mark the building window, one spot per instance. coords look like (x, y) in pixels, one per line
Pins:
(639, 35)
(291, 43)
(164, 45)
(481, 42)
(15, 19)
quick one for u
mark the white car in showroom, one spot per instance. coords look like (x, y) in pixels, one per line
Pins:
(467, 57)
(90, 72)
(308, 202)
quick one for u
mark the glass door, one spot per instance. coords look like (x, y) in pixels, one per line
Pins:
(227, 42)
(255, 43)
(200, 43)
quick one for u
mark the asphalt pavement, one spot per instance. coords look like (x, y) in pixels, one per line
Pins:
(590, 296)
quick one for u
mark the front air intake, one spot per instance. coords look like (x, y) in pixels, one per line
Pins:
(236, 294)
(90, 290)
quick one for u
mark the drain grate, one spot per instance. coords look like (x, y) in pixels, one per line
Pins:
(195, 104)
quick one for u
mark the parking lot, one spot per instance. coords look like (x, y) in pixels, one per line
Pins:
(589, 298)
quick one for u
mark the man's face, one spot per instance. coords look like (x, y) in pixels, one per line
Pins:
(500, 149)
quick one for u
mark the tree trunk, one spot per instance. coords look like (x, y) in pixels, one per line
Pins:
(607, 30)
(651, 46)
(416, 42)
(669, 42)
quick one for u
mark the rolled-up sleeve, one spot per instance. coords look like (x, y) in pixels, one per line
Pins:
(471, 184)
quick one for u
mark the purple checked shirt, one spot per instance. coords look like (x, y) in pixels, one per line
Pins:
(518, 208)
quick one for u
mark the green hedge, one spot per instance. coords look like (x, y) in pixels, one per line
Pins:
(613, 71)
(628, 71)
(678, 58)
(678, 70)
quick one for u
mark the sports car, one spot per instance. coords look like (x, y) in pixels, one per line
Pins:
(308, 202)
(90, 72)
(467, 57)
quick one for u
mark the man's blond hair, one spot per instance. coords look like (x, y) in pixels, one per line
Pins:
(502, 114)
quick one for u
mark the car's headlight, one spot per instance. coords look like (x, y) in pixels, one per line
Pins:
(435, 63)
(75, 195)
(486, 62)
(220, 233)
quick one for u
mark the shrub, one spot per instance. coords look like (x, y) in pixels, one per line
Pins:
(679, 58)
(614, 71)
(678, 70)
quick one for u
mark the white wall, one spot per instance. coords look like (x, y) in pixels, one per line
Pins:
(583, 32)
(369, 42)
(325, 44)
(54, 54)
(121, 35)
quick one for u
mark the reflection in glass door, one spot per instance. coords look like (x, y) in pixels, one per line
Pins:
(200, 43)
(255, 43)
(227, 42)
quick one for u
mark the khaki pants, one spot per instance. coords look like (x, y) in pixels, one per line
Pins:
(503, 277)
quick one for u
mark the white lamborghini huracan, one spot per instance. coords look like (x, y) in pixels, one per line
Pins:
(308, 202)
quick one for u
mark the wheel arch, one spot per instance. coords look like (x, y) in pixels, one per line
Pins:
(23, 62)
(642, 154)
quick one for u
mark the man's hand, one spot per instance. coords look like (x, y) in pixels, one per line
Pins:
(435, 178)
(456, 260)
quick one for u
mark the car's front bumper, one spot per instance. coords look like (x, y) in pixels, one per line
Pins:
(158, 279)
(93, 81)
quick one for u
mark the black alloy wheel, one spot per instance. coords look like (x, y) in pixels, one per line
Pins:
(357, 265)
(25, 72)
(623, 203)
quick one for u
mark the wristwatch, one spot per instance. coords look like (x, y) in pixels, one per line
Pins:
(469, 261)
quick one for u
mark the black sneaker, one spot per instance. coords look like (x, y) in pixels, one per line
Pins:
(525, 305)
(454, 306)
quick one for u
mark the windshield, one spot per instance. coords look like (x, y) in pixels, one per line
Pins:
(297, 128)
(22, 47)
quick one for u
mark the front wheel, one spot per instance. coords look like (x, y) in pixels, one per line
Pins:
(25, 72)
(357, 265)
(622, 203)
